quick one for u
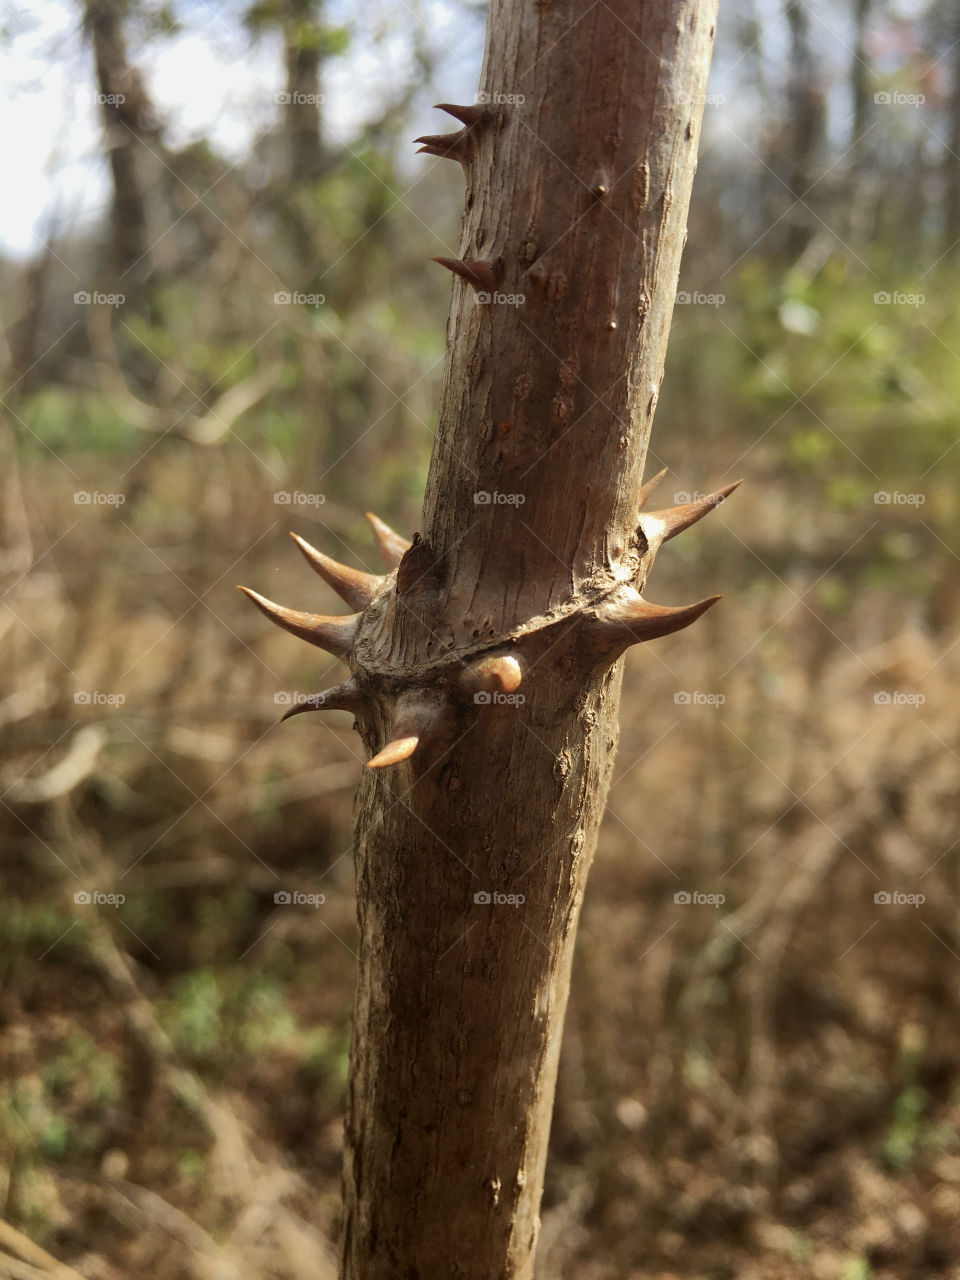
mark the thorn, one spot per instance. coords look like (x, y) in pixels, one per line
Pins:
(495, 673)
(392, 547)
(352, 585)
(635, 620)
(454, 146)
(468, 116)
(342, 697)
(676, 519)
(336, 635)
(418, 714)
(448, 146)
(474, 270)
(395, 751)
(649, 487)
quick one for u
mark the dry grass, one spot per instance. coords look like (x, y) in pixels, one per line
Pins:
(764, 1088)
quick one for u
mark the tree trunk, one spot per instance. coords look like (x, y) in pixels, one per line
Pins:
(951, 169)
(806, 122)
(126, 113)
(489, 662)
(302, 35)
(861, 78)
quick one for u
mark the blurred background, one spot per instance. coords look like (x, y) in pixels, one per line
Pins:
(221, 325)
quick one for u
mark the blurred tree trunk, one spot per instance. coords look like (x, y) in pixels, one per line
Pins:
(806, 121)
(951, 165)
(126, 112)
(861, 76)
(576, 203)
(302, 32)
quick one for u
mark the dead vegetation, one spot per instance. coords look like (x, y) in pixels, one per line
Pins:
(762, 1086)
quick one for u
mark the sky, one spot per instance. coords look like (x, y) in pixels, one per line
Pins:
(209, 81)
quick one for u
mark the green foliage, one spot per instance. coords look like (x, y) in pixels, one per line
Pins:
(225, 1019)
(855, 1269)
(909, 1128)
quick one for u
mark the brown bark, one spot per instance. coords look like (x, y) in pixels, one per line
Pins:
(576, 199)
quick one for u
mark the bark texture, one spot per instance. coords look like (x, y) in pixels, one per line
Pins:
(578, 201)
(485, 670)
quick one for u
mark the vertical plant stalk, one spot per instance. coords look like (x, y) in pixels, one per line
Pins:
(484, 666)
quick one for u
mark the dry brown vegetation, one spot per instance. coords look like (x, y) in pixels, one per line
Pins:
(772, 1078)
(763, 1088)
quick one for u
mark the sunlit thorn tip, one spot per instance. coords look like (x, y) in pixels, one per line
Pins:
(336, 635)
(353, 585)
(643, 620)
(676, 519)
(497, 673)
(649, 487)
(390, 544)
(395, 751)
(417, 717)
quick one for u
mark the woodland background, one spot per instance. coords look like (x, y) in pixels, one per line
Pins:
(761, 1087)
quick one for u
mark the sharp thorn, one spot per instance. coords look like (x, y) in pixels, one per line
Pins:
(352, 585)
(635, 620)
(468, 116)
(336, 635)
(395, 751)
(391, 546)
(495, 673)
(676, 519)
(475, 271)
(448, 146)
(417, 718)
(649, 487)
(342, 697)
